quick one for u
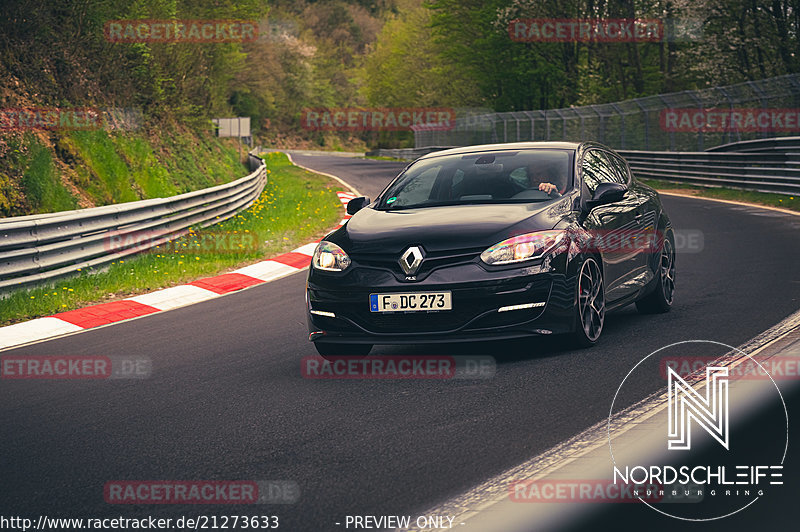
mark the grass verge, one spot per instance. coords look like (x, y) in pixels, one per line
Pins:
(296, 207)
(61, 170)
(744, 196)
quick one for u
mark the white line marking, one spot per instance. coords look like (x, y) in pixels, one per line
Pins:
(307, 249)
(28, 331)
(177, 296)
(731, 202)
(268, 270)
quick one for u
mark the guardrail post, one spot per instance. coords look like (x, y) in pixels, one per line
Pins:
(646, 114)
(622, 124)
(762, 98)
(727, 96)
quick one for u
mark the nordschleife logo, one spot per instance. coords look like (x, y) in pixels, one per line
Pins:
(709, 412)
(709, 442)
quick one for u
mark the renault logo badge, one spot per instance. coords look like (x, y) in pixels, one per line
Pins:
(410, 260)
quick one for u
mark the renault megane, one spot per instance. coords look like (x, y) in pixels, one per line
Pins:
(493, 242)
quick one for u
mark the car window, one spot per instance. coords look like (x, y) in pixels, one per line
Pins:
(620, 166)
(503, 176)
(597, 168)
(418, 189)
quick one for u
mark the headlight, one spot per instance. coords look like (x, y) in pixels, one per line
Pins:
(330, 257)
(526, 247)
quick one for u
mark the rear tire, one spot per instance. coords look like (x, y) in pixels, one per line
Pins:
(342, 350)
(590, 310)
(660, 299)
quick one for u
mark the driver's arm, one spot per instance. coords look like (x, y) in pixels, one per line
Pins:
(547, 187)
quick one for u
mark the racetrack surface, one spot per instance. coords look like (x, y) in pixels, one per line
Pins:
(227, 401)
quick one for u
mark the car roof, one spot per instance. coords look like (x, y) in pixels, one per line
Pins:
(505, 146)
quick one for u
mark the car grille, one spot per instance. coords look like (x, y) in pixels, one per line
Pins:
(431, 262)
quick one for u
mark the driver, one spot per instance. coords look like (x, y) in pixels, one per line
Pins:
(543, 177)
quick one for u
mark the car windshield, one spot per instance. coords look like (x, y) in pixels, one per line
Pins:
(522, 176)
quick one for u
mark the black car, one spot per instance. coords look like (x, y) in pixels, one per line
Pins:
(493, 242)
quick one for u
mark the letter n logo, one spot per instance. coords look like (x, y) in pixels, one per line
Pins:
(685, 404)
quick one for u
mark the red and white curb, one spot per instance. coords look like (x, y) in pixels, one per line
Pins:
(162, 300)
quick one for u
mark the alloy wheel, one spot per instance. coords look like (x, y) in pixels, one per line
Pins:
(668, 271)
(591, 299)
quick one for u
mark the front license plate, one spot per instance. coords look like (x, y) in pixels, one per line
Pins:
(410, 302)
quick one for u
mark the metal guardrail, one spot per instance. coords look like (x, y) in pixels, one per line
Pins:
(778, 173)
(784, 144)
(41, 247)
(764, 165)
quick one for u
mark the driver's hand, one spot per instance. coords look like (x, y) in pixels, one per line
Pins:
(549, 188)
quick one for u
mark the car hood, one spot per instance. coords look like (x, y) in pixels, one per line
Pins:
(446, 227)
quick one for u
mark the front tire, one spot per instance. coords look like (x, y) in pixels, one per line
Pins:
(660, 299)
(342, 350)
(590, 309)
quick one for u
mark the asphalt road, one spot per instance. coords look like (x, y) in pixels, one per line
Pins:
(226, 399)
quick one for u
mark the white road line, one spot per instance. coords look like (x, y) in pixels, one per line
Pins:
(28, 331)
(267, 270)
(731, 202)
(307, 249)
(175, 297)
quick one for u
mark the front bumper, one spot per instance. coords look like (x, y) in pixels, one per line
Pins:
(477, 294)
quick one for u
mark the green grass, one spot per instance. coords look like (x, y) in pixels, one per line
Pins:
(296, 207)
(199, 161)
(745, 196)
(98, 167)
(43, 189)
(104, 174)
(149, 177)
(120, 167)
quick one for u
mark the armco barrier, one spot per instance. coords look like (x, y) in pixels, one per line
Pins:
(775, 144)
(764, 165)
(776, 172)
(41, 247)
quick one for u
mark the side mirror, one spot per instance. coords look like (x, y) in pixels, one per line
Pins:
(356, 204)
(606, 193)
